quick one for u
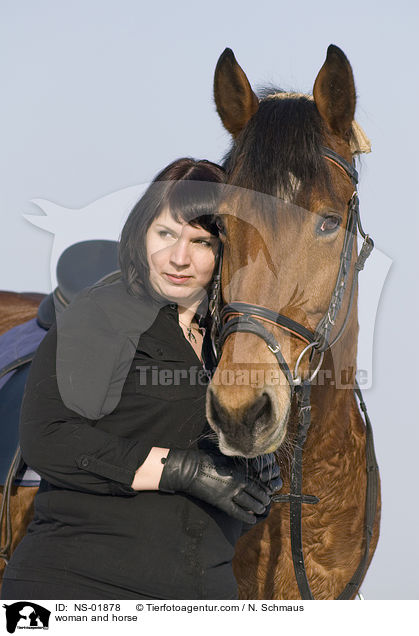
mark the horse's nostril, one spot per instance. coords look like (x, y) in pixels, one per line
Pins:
(260, 413)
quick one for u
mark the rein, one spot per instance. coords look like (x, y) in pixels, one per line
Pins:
(245, 317)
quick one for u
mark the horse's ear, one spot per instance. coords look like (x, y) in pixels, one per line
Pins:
(234, 98)
(334, 92)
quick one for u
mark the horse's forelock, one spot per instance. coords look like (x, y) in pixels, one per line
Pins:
(279, 151)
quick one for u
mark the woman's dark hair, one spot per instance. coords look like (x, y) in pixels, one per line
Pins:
(190, 190)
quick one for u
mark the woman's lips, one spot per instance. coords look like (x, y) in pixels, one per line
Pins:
(177, 279)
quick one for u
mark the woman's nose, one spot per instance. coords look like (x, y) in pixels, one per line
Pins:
(179, 254)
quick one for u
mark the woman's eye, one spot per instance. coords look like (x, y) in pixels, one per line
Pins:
(203, 242)
(329, 224)
(164, 234)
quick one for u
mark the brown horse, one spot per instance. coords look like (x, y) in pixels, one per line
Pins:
(16, 309)
(287, 261)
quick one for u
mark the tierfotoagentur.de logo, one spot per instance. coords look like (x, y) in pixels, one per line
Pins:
(26, 615)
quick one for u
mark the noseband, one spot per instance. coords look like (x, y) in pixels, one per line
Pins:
(238, 316)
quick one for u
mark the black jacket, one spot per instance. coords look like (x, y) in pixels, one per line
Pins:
(142, 385)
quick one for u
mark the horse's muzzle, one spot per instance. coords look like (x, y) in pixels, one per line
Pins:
(249, 430)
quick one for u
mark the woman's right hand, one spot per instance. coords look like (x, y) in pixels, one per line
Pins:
(221, 481)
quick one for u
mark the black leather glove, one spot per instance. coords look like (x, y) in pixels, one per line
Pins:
(265, 469)
(227, 483)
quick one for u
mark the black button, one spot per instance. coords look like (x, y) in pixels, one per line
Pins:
(173, 306)
(159, 352)
(84, 462)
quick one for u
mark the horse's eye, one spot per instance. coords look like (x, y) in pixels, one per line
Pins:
(329, 224)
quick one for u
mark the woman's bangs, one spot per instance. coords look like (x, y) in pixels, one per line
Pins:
(195, 202)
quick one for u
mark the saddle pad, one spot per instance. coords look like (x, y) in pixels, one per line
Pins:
(14, 344)
(18, 342)
(10, 401)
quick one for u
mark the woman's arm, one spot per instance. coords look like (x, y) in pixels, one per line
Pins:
(65, 448)
(147, 476)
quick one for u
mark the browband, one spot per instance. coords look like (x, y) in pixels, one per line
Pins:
(341, 162)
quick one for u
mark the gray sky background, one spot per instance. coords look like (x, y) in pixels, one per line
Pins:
(99, 95)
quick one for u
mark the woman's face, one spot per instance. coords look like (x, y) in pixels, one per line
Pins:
(181, 259)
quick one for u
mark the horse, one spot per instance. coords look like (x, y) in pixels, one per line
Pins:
(15, 309)
(282, 293)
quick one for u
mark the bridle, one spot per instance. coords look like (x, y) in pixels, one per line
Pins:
(238, 316)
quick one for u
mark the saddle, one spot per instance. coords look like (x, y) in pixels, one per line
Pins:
(81, 265)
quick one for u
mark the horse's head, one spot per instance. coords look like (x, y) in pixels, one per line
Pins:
(285, 216)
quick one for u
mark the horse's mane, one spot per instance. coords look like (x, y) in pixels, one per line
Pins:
(280, 148)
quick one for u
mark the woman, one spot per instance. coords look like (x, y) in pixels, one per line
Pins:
(135, 500)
